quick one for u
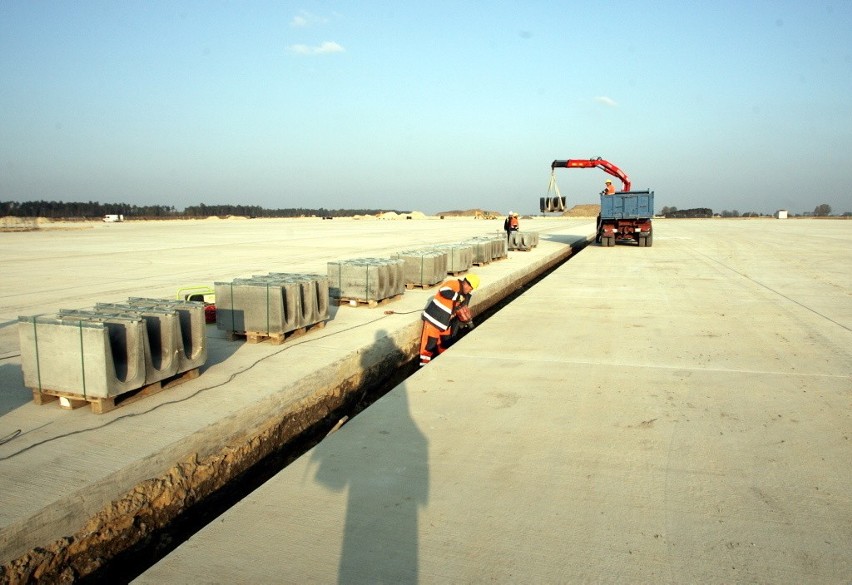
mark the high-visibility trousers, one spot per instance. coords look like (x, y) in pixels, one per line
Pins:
(433, 342)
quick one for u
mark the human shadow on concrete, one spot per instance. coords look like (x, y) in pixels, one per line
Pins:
(13, 393)
(382, 458)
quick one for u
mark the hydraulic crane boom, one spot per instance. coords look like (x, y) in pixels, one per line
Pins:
(588, 163)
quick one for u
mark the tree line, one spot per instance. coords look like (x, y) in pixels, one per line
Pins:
(96, 210)
(822, 210)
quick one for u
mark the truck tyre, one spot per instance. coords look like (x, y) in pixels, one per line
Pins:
(641, 241)
(649, 240)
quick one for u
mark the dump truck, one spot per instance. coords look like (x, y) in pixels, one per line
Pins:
(626, 216)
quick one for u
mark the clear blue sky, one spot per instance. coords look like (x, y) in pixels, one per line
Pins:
(427, 106)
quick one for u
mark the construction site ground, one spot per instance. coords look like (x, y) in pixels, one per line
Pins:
(674, 414)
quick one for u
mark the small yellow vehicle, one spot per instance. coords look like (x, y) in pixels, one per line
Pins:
(200, 293)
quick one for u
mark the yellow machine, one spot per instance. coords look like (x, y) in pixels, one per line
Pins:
(200, 293)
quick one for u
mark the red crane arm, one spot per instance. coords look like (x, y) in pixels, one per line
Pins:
(588, 163)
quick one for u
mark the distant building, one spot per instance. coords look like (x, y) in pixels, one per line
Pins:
(781, 214)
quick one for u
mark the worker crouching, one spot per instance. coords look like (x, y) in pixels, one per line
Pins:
(445, 314)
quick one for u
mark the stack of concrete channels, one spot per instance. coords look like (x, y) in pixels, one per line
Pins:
(459, 257)
(366, 279)
(423, 268)
(523, 240)
(488, 248)
(113, 348)
(273, 304)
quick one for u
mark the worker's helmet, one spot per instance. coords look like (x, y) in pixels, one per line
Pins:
(608, 181)
(472, 280)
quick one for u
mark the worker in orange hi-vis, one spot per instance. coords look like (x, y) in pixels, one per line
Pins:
(446, 312)
(609, 189)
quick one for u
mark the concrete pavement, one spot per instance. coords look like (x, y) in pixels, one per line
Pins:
(77, 486)
(676, 414)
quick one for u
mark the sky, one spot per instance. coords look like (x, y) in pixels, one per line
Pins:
(431, 106)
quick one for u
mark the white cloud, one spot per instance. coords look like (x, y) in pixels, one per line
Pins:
(305, 19)
(324, 48)
(607, 101)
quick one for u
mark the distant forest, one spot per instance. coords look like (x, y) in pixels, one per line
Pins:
(95, 210)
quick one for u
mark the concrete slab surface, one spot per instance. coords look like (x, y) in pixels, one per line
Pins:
(59, 468)
(674, 414)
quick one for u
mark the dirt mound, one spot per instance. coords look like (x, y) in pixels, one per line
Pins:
(469, 213)
(583, 210)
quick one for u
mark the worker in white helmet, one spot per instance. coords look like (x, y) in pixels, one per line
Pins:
(511, 224)
(609, 188)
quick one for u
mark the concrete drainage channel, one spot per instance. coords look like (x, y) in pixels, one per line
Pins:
(116, 557)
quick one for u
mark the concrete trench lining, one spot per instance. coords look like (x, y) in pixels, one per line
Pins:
(80, 533)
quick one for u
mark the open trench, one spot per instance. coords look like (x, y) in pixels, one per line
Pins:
(144, 526)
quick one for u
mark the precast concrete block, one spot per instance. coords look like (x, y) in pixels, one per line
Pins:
(90, 357)
(161, 340)
(481, 250)
(256, 306)
(274, 303)
(192, 348)
(459, 257)
(311, 303)
(367, 279)
(500, 247)
(521, 240)
(425, 267)
(533, 238)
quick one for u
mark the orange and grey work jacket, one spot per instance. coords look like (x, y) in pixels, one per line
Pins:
(439, 312)
(610, 189)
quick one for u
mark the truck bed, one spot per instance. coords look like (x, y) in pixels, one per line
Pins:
(628, 205)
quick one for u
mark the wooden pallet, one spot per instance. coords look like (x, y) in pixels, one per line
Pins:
(273, 338)
(456, 273)
(423, 285)
(483, 263)
(100, 405)
(371, 303)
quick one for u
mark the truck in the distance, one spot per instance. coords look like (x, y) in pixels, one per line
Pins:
(625, 215)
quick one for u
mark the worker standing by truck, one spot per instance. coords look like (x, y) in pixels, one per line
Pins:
(445, 314)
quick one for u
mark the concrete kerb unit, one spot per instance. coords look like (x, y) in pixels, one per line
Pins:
(459, 257)
(82, 355)
(482, 251)
(192, 349)
(523, 241)
(312, 304)
(273, 304)
(110, 350)
(366, 279)
(423, 268)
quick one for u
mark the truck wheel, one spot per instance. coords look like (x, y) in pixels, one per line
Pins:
(649, 240)
(610, 241)
(641, 241)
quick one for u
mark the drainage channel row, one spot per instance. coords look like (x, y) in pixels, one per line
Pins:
(129, 564)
